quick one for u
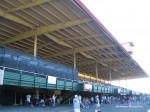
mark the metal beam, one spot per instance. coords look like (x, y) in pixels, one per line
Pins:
(86, 55)
(28, 5)
(65, 44)
(79, 49)
(13, 18)
(128, 73)
(39, 47)
(45, 29)
(58, 41)
(82, 37)
(119, 68)
(101, 61)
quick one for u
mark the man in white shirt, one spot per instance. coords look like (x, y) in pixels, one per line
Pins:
(76, 104)
(54, 100)
(97, 104)
(28, 99)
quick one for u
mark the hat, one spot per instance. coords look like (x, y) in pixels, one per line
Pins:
(76, 96)
(97, 96)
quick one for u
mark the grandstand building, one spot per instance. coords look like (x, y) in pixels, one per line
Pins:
(58, 47)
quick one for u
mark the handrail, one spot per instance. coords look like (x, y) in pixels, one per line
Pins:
(35, 73)
(79, 81)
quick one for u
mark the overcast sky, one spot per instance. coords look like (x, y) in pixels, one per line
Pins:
(127, 20)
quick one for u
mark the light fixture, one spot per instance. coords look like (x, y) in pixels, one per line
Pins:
(103, 64)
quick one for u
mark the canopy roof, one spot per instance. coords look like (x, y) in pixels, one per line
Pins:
(65, 27)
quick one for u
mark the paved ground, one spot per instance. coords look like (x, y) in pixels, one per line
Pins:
(136, 107)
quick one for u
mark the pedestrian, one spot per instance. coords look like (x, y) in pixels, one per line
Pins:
(80, 99)
(28, 100)
(54, 100)
(97, 104)
(129, 102)
(92, 100)
(76, 104)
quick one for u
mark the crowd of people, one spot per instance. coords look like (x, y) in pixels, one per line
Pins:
(78, 103)
(40, 101)
(87, 102)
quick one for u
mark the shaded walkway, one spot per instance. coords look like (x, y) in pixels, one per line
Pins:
(136, 107)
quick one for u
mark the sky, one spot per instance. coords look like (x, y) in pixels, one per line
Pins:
(127, 21)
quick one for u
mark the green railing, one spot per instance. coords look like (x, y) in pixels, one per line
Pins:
(28, 79)
(122, 91)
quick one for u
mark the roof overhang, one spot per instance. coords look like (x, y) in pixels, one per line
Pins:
(64, 28)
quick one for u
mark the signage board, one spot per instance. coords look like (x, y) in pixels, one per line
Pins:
(51, 80)
(87, 87)
(1, 76)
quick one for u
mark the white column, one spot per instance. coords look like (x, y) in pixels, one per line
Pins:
(74, 60)
(35, 44)
(110, 75)
(96, 72)
(37, 93)
(35, 55)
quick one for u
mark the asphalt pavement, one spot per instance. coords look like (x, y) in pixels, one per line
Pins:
(117, 107)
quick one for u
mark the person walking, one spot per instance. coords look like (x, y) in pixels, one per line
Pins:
(129, 102)
(92, 100)
(54, 100)
(28, 99)
(80, 99)
(76, 104)
(97, 104)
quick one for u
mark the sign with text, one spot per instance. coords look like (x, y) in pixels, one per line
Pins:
(1, 76)
(87, 87)
(51, 80)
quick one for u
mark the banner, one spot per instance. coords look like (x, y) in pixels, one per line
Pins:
(51, 80)
(1, 76)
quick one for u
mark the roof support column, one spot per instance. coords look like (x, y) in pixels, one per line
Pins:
(90, 78)
(15, 98)
(37, 91)
(96, 73)
(35, 55)
(74, 63)
(110, 76)
(74, 60)
(35, 43)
